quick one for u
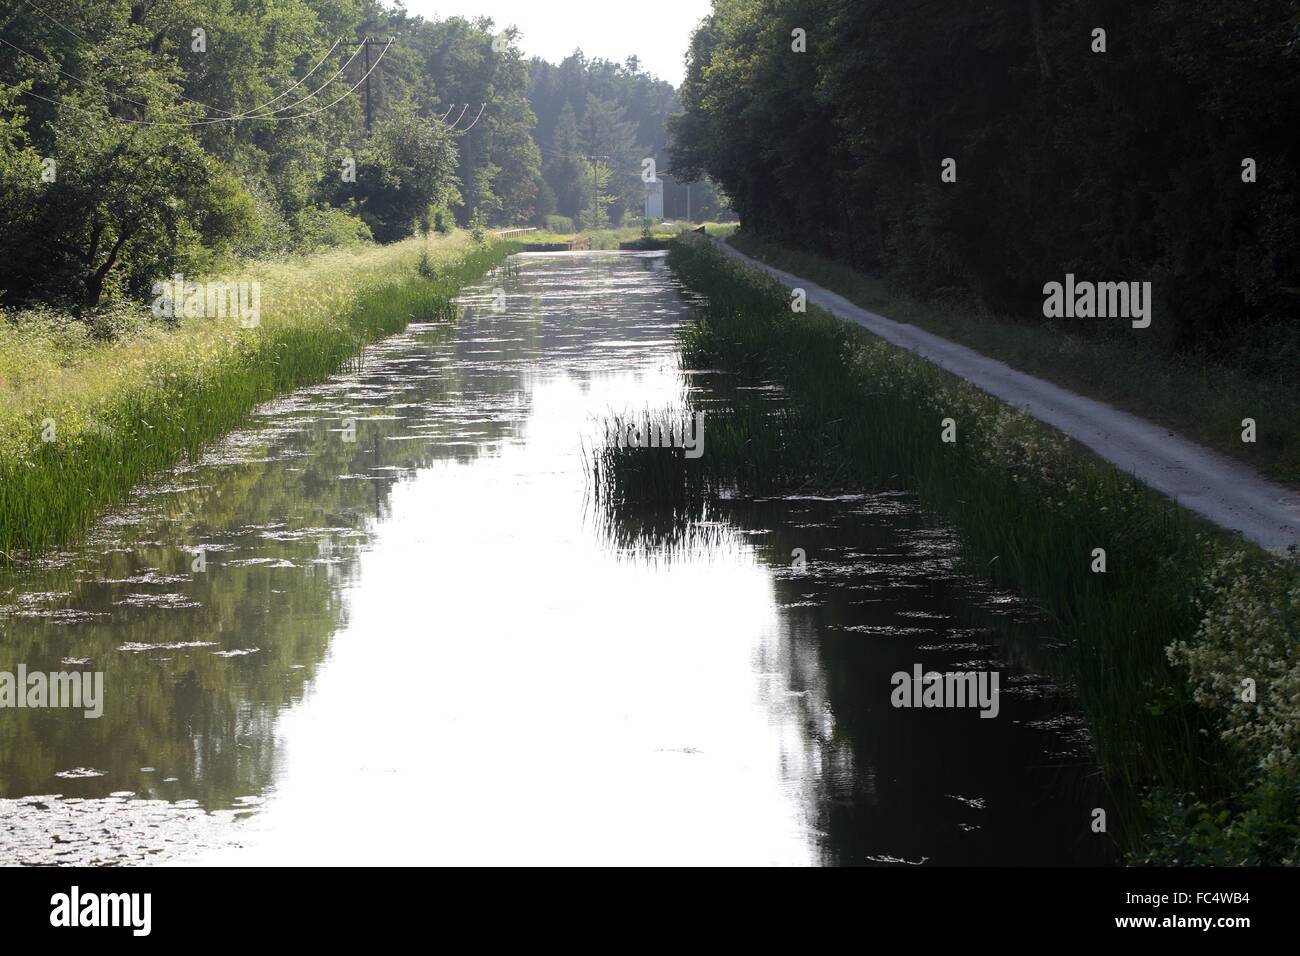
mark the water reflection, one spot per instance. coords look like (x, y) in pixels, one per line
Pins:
(412, 641)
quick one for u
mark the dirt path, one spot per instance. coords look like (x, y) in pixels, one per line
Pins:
(1224, 491)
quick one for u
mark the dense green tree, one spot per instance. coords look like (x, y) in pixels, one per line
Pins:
(629, 126)
(184, 131)
(407, 167)
(482, 80)
(128, 193)
(614, 159)
(564, 167)
(130, 206)
(1124, 165)
(20, 188)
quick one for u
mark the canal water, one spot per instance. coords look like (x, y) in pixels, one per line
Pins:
(384, 623)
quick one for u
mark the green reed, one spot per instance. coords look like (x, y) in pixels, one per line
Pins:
(855, 413)
(105, 417)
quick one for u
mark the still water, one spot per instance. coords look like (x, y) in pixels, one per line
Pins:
(384, 624)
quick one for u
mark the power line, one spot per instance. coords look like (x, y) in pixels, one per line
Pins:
(250, 114)
(340, 99)
(462, 113)
(327, 55)
(234, 117)
(80, 39)
(481, 108)
(227, 116)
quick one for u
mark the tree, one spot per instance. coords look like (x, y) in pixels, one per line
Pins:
(611, 140)
(596, 178)
(128, 204)
(407, 166)
(563, 169)
(613, 110)
(1125, 165)
(20, 188)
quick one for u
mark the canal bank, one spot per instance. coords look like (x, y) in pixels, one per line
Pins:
(1150, 608)
(1227, 493)
(87, 413)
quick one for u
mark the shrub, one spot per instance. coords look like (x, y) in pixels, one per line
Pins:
(1244, 660)
(1264, 830)
(325, 227)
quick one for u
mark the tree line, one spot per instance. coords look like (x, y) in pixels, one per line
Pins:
(597, 117)
(981, 150)
(142, 138)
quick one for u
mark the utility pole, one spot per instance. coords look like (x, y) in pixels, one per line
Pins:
(368, 42)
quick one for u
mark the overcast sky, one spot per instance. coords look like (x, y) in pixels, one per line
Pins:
(656, 32)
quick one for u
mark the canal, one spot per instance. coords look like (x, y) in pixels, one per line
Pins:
(384, 623)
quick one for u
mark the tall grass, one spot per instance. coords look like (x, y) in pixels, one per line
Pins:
(82, 420)
(1205, 396)
(853, 412)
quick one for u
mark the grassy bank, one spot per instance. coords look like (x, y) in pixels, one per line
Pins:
(612, 238)
(1198, 396)
(86, 413)
(1194, 774)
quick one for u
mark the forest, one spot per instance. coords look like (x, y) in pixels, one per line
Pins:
(145, 138)
(976, 151)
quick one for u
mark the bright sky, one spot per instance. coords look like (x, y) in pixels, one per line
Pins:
(658, 32)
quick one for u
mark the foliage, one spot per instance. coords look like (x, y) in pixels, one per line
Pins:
(407, 167)
(597, 181)
(618, 112)
(167, 158)
(1122, 166)
(1244, 661)
(1260, 828)
(129, 206)
(324, 227)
